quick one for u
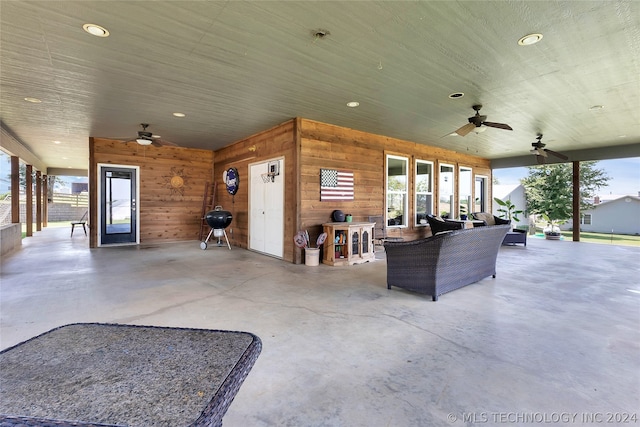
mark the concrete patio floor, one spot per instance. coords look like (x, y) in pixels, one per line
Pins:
(553, 339)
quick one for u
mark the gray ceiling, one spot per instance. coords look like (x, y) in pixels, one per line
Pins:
(236, 68)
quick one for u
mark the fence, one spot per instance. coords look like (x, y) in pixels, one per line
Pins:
(61, 207)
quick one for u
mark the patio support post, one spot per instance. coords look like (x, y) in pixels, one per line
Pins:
(29, 200)
(576, 201)
(45, 199)
(15, 189)
(38, 201)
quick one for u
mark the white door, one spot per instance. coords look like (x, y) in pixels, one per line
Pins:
(266, 207)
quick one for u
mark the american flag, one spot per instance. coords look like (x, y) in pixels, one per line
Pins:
(336, 185)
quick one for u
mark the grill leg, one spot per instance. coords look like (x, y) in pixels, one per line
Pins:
(226, 238)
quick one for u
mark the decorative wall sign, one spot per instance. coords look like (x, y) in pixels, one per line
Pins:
(175, 181)
(336, 185)
(231, 179)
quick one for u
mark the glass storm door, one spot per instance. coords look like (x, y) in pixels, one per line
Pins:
(117, 205)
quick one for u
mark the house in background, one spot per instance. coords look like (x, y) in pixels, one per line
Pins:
(619, 215)
(516, 194)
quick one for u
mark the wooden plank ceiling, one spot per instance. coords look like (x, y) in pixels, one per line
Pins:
(236, 68)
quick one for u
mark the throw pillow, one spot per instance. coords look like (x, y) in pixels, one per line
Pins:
(486, 217)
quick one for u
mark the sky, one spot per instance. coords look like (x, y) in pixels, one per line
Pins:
(624, 174)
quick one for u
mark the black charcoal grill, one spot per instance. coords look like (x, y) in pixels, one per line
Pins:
(218, 219)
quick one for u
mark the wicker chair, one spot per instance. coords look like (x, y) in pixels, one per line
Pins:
(380, 230)
(489, 219)
(439, 226)
(513, 236)
(444, 262)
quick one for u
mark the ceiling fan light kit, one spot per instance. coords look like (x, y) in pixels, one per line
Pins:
(478, 121)
(542, 153)
(147, 138)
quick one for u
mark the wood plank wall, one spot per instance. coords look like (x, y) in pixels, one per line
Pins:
(325, 146)
(276, 142)
(306, 146)
(165, 214)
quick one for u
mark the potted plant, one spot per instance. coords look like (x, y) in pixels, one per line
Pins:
(508, 210)
(552, 229)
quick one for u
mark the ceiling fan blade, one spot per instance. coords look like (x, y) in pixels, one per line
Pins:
(540, 160)
(555, 153)
(497, 125)
(464, 130)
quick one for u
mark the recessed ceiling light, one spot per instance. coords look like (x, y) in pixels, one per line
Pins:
(530, 39)
(455, 95)
(96, 30)
(353, 104)
(34, 100)
(596, 107)
(56, 142)
(179, 114)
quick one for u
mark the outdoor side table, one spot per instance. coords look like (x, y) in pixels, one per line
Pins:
(91, 374)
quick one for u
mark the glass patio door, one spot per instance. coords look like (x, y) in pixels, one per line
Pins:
(118, 222)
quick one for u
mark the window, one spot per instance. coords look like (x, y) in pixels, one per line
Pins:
(424, 191)
(397, 190)
(585, 219)
(465, 184)
(480, 201)
(445, 191)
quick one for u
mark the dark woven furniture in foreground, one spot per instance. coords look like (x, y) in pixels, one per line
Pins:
(444, 262)
(515, 236)
(91, 374)
(438, 226)
(489, 219)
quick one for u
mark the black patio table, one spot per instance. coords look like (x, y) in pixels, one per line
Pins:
(92, 374)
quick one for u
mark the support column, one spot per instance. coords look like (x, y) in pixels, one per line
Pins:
(29, 201)
(45, 200)
(38, 201)
(576, 201)
(15, 189)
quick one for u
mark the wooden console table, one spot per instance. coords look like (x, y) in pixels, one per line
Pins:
(348, 243)
(90, 374)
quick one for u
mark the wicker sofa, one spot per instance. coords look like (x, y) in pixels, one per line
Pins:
(444, 262)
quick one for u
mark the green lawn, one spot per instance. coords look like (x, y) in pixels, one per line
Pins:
(607, 239)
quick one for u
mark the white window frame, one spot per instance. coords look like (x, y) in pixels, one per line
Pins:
(404, 193)
(441, 184)
(471, 184)
(584, 216)
(485, 193)
(417, 192)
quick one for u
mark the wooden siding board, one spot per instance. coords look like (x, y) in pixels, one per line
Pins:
(165, 214)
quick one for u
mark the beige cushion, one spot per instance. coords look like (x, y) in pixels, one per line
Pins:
(486, 217)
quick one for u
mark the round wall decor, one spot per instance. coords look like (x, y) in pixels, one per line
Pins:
(231, 179)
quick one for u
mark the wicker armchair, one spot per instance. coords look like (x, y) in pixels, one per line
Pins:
(439, 225)
(489, 219)
(444, 262)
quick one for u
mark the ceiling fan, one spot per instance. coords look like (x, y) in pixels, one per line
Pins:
(541, 153)
(477, 121)
(147, 138)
